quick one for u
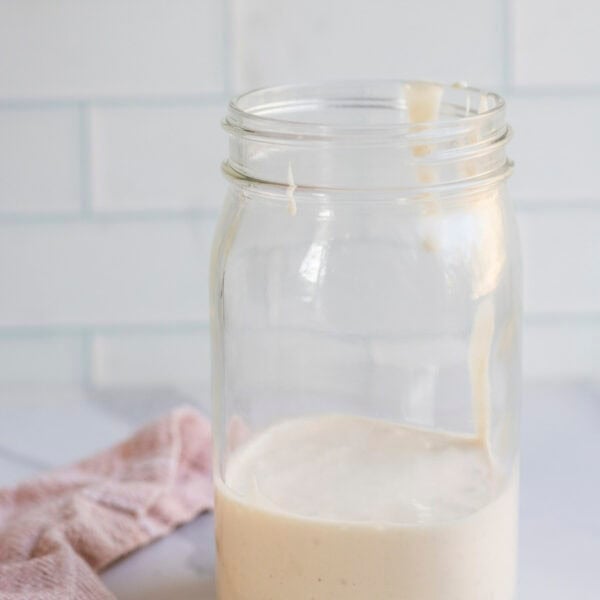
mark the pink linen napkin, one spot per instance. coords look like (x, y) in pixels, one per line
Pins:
(56, 531)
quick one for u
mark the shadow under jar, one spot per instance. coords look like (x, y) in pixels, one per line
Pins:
(366, 319)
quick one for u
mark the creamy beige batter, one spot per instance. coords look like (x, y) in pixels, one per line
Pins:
(360, 509)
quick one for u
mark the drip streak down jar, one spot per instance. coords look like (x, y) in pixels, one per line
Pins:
(365, 322)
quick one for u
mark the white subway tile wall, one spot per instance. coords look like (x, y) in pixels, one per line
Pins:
(157, 158)
(127, 359)
(110, 48)
(561, 347)
(39, 357)
(287, 40)
(110, 146)
(76, 274)
(40, 160)
(561, 252)
(556, 42)
(556, 147)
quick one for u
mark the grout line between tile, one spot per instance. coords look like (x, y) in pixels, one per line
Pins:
(554, 206)
(555, 91)
(227, 49)
(88, 331)
(507, 16)
(86, 351)
(89, 216)
(216, 99)
(85, 163)
(559, 318)
(210, 214)
(192, 100)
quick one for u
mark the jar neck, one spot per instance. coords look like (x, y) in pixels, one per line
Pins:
(413, 137)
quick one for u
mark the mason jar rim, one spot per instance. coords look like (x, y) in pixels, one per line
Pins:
(261, 112)
(404, 135)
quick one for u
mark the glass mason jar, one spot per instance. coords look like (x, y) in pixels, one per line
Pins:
(366, 318)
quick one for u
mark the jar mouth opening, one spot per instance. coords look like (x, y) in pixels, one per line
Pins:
(368, 134)
(362, 111)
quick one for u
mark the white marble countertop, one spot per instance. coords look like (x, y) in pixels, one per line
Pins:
(560, 484)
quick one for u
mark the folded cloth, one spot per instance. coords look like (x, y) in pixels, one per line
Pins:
(56, 531)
